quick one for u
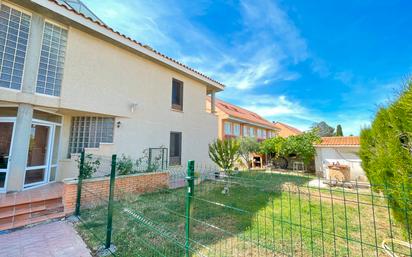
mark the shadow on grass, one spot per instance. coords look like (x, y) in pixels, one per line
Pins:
(262, 215)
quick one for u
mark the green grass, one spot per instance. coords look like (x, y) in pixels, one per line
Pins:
(263, 215)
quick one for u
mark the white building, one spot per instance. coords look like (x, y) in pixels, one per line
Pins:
(339, 151)
(69, 82)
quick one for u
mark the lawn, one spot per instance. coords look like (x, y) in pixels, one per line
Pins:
(263, 215)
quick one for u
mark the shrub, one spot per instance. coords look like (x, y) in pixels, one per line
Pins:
(124, 166)
(224, 153)
(90, 165)
(386, 153)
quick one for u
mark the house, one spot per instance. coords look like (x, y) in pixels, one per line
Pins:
(338, 158)
(285, 130)
(69, 82)
(234, 122)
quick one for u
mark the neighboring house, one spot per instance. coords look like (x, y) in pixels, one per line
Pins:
(339, 153)
(235, 122)
(286, 130)
(69, 82)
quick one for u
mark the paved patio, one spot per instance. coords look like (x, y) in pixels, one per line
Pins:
(52, 239)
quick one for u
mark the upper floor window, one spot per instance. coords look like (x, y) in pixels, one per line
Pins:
(252, 132)
(89, 132)
(177, 95)
(53, 50)
(261, 133)
(245, 131)
(14, 36)
(236, 129)
(228, 128)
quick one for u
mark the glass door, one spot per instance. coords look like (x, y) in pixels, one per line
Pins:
(6, 139)
(40, 148)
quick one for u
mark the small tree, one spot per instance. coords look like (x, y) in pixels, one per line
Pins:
(248, 146)
(274, 147)
(339, 131)
(224, 153)
(301, 145)
(323, 129)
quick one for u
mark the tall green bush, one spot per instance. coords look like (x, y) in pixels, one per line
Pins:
(386, 153)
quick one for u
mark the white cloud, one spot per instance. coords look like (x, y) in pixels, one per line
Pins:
(260, 52)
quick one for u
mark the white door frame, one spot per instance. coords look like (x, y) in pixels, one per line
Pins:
(8, 120)
(50, 147)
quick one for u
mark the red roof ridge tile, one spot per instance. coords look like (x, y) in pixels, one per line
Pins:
(242, 113)
(340, 141)
(288, 127)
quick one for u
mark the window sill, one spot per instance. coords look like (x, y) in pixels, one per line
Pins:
(176, 110)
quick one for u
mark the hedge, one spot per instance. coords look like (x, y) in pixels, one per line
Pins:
(386, 153)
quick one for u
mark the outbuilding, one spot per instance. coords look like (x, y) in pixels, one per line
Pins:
(337, 158)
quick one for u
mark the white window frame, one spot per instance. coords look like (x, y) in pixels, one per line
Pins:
(38, 68)
(227, 125)
(236, 129)
(22, 10)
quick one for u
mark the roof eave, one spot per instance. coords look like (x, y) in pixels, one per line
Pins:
(347, 146)
(110, 34)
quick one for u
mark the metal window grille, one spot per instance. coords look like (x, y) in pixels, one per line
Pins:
(89, 132)
(14, 34)
(49, 78)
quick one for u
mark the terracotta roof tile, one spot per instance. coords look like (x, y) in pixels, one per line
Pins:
(340, 141)
(134, 41)
(286, 130)
(242, 114)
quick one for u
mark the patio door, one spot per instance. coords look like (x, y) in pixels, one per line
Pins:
(38, 160)
(6, 139)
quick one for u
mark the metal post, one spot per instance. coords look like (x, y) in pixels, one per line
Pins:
(189, 194)
(149, 166)
(110, 207)
(79, 184)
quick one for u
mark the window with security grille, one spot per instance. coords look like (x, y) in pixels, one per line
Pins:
(53, 50)
(89, 132)
(14, 35)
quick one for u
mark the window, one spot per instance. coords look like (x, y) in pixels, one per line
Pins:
(175, 148)
(228, 128)
(252, 132)
(14, 36)
(261, 133)
(245, 131)
(89, 132)
(236, 129)
(50, 75)
(177, 95)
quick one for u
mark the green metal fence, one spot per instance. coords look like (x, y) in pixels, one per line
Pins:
(251, 213)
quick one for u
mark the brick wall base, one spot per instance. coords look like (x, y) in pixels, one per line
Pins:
(96, 191)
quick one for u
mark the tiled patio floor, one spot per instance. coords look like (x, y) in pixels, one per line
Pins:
(52, 239)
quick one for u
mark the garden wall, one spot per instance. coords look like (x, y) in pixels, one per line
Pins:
(95, 191)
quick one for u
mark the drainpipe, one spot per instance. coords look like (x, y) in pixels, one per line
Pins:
(213, 102)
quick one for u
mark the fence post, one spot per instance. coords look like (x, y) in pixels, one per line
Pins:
(110, 207)
(79, 184)
(190, 192)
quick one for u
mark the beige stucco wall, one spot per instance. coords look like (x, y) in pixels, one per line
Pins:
(100, 78)
(103, 79)
(344, 155)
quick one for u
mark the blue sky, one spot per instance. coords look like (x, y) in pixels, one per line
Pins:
(294, 61)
